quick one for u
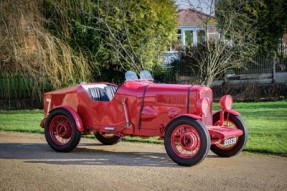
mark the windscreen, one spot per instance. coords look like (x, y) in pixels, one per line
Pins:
(130, 76)
(145, 75)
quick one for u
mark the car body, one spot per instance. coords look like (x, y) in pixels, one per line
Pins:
(181, 115)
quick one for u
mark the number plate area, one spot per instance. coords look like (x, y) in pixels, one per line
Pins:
(231, 141)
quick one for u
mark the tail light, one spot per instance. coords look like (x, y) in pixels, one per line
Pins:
(226, 102)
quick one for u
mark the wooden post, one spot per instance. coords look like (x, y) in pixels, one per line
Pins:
(274, 71)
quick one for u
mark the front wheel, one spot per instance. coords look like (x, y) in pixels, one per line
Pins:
(237, 143)
(61, 132)
(187, 141)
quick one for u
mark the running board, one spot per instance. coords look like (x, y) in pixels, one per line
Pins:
(219, 132)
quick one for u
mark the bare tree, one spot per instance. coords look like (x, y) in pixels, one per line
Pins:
(233, 48)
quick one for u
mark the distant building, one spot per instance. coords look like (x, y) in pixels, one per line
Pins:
(194, 27)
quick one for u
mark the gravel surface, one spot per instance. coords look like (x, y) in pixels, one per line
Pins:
(28, 163)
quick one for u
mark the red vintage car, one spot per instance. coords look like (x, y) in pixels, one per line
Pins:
(181, 115)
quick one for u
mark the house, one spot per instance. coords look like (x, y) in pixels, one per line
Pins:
(194, 27)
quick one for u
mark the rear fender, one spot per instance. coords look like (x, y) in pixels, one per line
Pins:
(75, 115)
(221, 113)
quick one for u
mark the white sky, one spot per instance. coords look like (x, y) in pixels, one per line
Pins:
(205, 6)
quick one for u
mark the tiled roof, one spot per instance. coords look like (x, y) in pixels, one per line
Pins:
(191, 17)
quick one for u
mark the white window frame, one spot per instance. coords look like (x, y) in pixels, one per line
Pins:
(194, 33)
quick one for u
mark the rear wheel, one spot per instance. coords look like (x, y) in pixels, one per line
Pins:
(107, 139)
(61, 132)
(235, 144)
(187, 141)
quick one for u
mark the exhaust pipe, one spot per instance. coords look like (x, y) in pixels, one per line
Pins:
(128, 124)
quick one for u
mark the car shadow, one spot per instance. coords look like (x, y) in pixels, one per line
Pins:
(83, 155)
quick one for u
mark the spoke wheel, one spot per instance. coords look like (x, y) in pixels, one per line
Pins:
(61, 132)
(187, 141)
(238, 143)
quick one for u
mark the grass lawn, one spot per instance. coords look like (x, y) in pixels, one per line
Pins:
(267, 126)
(266, 122)
(21, 121)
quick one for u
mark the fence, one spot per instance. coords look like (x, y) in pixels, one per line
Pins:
(261, 70)
(264, 65)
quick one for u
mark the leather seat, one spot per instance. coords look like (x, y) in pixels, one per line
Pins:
(100, 94)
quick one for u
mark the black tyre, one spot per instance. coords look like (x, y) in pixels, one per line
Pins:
(187, 141)
(231, 121)
(61, 132)
(107, 139)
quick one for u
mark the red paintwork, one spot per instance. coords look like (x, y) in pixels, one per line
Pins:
(150, 108)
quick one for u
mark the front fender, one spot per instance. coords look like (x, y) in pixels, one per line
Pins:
(195, 117)
(221, 114)
(75, 115)
(192, 116)
(229, 111)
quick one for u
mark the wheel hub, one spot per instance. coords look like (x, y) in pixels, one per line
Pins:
(62, 130)
(189, 141)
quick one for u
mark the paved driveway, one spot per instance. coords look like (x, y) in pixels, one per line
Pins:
(28, 163)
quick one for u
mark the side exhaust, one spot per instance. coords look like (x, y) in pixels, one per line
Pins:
(128, 124)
